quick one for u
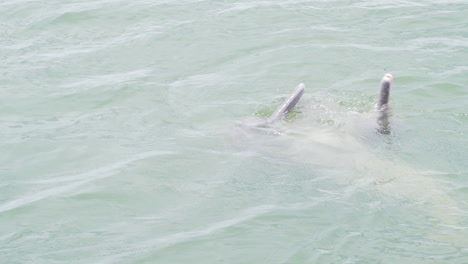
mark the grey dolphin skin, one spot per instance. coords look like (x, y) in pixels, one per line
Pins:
(288, 104)
(383, 106)
(282, 111)
(385, 87)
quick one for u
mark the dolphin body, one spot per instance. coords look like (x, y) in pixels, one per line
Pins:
(383, 106)
(337, 148)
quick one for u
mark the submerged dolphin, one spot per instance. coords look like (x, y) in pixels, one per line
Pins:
(341, 149)
(383, 106)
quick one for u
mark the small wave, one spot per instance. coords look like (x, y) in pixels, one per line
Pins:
(79, 180)
(170, 240)
(157, 244)
(107, 79)
(390, 5)
(246, 215)
(16, 2)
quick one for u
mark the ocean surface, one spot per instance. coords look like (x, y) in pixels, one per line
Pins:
(122, 137)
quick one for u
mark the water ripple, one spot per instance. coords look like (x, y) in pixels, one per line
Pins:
(78, 180)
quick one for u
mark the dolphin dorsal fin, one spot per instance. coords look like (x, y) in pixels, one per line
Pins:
(288, 104)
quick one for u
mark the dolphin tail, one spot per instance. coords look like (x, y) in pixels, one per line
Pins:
(288, 104)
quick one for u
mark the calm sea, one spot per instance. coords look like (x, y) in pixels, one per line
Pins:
(122, 141)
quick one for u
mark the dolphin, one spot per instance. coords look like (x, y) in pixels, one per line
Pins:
(383, 104)
(279, 113)
(385, 87)
(383, 107)
(245, 131)
(288, 104)
(339, 148)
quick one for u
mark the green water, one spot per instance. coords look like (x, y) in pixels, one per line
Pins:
(119, 141)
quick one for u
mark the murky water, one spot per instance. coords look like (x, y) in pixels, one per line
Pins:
(120, 140)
